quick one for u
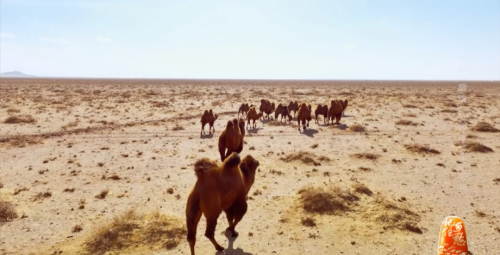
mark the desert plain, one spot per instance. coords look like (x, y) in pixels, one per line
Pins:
(104, 166)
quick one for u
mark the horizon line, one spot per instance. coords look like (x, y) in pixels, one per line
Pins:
(239, 79)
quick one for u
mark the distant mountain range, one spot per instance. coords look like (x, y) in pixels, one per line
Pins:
(15, 74)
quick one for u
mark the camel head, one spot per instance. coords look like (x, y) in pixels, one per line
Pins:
(248, 167)
(216, 116)
(259, 115)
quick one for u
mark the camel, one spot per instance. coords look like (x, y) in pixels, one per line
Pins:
(244, 109)
(293, 106)
(304, 115)
(321, 110)
(344, 105)
(231, 139)
(210, 118)
(219, 188)
(266, 107)
(335, 111)
(283, 110)
(253, 115)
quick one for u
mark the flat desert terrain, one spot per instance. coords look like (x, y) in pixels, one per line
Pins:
(94, 166)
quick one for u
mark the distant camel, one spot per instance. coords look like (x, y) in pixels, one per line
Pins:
(231, 139)
(304, 116)
(210, 118)
(253, 115)
(321, 110)
(266, 107)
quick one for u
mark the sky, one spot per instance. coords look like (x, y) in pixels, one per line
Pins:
(259, 39)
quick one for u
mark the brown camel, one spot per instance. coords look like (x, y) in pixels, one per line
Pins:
(293, 106)
(283, 110)
(219, 188)
(253, 115)
(304, 115)
(335, 112)
(210, 118)
(231, 139)
(344, 105)
(244, 109)
(321, 110)
(266, 107)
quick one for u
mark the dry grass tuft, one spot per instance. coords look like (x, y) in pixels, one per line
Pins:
(305, 157)
(406, 122)
(20, 119)
(471, 146)
(77, 228)
(361, 188)
(7, 212)
(357, 128)
(417, 148)
(103, 194)
(399, 217)
(331, 201)
(485, 127)
(308, 222)
(131, 231)
(365, 155)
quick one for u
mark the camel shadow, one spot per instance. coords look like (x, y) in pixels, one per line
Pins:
(205, 136)
(254, 130)
(343, 126)
(323, 124)
(310, 132)
(265, 121)
(230, 249)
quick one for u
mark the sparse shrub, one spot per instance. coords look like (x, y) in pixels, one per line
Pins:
(103, 194)
(77, 228)
(417, 148)
(20, 119)
(471, 146)
(366, 155)
(361, 188)
(305, 157)
(485, 127)
(357, 128)
(406, 122)
(327, 201)
(308, 222)
(7, 212)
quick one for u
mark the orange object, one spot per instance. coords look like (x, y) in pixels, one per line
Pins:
(452, 238)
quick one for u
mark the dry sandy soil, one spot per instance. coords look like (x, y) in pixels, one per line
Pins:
(77, 155)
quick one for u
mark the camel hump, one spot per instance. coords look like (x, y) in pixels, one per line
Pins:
(203, 166)
(229, 124)
(205, 112)
(232, 161)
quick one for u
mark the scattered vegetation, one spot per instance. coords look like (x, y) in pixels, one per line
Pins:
(20, 119)
(485, 127)
(305, 157)
(418, 148)
(7, 212)
(366, 155)
(133, 231)
(471, 146)
(357, 128)
(406, 122)
(103, 194)
(308, 222)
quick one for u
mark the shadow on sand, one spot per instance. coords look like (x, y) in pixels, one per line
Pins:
(310, 132)
(265, 121)
(205, 136)
(231, 251)
(254, 130)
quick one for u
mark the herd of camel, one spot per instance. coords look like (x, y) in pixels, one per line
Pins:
(224, 187)
(303, 111)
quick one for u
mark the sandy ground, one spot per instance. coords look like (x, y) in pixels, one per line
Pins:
(147, 133)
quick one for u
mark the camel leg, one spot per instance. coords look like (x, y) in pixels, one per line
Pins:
(298, 124)
(202, 128)
(240, 147)
(210, 233)
(238, 210)
(191, 235)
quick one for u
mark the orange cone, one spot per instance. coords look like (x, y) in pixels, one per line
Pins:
(452, 238)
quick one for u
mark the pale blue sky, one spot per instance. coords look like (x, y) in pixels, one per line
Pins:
(349, 39)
